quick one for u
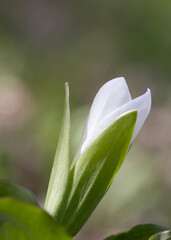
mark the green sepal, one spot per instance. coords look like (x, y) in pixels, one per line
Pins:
(140, 232)
(8, 189)
(60, 170)
(22, 221)
(93, 173)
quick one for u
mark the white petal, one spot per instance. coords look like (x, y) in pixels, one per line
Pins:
(143, 111)
(111, 95)
(142, 104)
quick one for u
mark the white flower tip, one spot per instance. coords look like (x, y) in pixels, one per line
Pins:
(115, 80)
(143, 112)
(111, 102)
(148, 98)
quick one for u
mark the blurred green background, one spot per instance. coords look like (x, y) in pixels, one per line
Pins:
(45, 43)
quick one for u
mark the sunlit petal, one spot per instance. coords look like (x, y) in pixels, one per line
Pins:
(142, 104)
(111, 95)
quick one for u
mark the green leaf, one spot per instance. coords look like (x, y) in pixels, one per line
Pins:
(60, 170)
(166, 235)
(93, 173)
(8, 189)
(10, 231)
(139, 232)
(21, 221)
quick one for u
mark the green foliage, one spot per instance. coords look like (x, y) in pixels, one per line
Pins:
(8, 189)
(166, 235)
(92, 174)
(142, 232)
(60, 170)
(22, 221)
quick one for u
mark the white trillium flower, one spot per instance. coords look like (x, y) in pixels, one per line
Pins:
(75, 190)
(111, 102)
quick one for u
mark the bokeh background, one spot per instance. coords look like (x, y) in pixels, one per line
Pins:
(45, 43)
